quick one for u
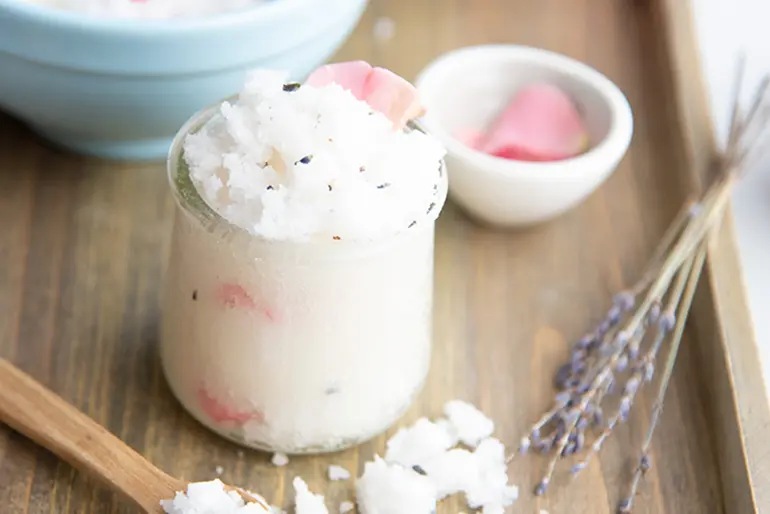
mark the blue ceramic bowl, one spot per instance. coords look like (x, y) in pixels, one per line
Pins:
(122, 88)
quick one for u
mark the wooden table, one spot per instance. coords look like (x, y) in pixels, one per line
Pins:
(83, 245)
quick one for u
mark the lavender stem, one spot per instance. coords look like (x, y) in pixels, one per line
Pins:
(696, 266)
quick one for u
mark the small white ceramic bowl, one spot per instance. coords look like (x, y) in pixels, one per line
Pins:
(466, 88)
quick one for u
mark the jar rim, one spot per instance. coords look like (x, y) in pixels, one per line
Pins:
(189, 199)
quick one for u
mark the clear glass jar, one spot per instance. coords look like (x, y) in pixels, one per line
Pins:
(297, 347)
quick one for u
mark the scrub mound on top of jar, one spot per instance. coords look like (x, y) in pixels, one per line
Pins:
(291, 162)
(298, 302)
(150, 9)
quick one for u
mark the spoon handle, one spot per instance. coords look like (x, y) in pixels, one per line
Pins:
(36, 412)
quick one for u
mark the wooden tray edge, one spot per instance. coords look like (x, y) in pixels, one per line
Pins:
(729, 352)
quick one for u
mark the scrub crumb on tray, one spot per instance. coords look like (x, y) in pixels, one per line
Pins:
(338, 473)
(279, 459)
(423, 464)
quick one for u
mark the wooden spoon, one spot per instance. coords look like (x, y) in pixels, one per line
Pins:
(31, 409)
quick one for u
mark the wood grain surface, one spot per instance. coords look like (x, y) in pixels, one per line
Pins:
(83, 245)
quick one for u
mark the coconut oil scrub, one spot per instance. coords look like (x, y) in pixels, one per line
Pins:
(298, 297)
(150, 9)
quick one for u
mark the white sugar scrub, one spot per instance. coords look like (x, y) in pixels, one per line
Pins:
(150, 9)
(298, 297)
(346, 507)
(338, 473)
(211, 498)
(305, 502)
(424, 457)
(387, 488)
(279, 459)
(469, 423)
(418, 443)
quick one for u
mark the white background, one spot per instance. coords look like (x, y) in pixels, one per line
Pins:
(726, 28)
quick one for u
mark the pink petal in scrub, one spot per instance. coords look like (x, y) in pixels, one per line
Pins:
(541, 123)
(235, 296)
(382, 89)
(222, 413)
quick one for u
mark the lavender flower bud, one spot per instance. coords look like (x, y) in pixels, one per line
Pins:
(666, 322)
(625, 505)
(582, 423)
(602, 329)
(598, 417)
(571, 417)
(558, 434)
(633, 350)
(649, 371)
(541, 488)
(606, 350)
(524, 445)
(577, 468)
(577, 367)
(544, 446)
(561, 399)
(645, 464)
(535, 435)
(621, 364)
(625, 300)
(625, 408)
(578, 355)
(584, 342)
(568, 450)
(580, 441)
(654, 313)
(631, 386)
(613, 316)
(622, 339)
(562, 376)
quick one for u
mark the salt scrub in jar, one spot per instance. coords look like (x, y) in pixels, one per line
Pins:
(298, 302)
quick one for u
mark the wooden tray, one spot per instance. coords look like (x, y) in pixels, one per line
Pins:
(83, 244)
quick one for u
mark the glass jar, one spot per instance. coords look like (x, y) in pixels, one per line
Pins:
(294, 347)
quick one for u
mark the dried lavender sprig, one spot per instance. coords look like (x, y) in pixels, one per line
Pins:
(627, 503)
(602, 373)
(641, 375)
(570, 426)
(581, 358)
(747, 133)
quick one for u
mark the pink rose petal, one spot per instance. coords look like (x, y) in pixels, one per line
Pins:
(541, 123)
(382, 89)
(235, 296)
(222, 413)
(351, 75)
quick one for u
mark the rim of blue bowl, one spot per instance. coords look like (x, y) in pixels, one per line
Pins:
(36, 13)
